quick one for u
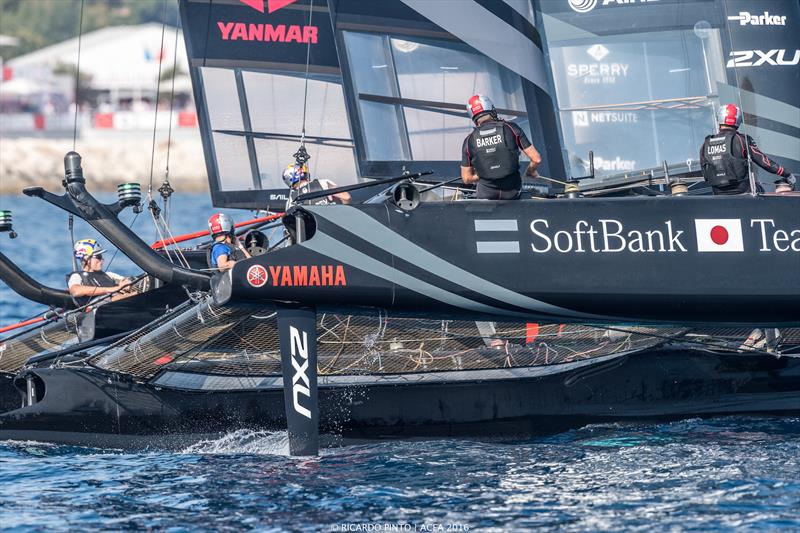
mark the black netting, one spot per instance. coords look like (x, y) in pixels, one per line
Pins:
(16, 351)
(243, 341)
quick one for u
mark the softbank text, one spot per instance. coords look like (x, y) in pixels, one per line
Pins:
(610, 237)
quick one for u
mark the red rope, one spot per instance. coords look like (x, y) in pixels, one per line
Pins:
(189, 236)
(22, 324)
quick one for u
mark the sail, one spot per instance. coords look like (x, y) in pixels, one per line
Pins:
(386, 88)
(248, 67)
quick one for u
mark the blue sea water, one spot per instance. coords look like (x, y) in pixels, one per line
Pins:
(724, 474)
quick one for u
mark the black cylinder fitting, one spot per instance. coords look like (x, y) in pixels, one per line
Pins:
(72, 168)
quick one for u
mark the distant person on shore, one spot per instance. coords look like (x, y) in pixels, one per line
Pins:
(298, 178)
(490, 154)
(92, 281)
(226, 249)
(724, 155)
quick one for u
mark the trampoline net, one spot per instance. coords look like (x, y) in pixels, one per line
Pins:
(243, 341)
(15, 351)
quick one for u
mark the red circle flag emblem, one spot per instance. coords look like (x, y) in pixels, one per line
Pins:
(257, 275)
(719, 235)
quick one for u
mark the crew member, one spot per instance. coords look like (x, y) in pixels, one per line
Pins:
(227, 248)
(298, 178)
(91, 281)
(723, 157)
(490, 154)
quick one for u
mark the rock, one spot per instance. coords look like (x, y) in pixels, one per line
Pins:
(108, 160)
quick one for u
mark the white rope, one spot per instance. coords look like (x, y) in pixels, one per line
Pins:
(157, 226)
(178, 252)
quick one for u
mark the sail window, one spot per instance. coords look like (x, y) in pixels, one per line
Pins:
(232, 162)
(223, 107)
(275, 104)
(418, 88)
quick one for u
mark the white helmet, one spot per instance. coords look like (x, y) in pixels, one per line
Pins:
(220, 224)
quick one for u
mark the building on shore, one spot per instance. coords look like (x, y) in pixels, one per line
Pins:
(119, 67)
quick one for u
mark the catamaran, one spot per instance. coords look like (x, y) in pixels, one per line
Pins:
(416, 311)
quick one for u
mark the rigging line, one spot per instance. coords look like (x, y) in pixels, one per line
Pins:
(110, 261)
(305, 89)
(71, 226)
(165, 185)
(178, 252)
(70, 219)
(158, 93)
(172, 97)
(150, 201)
(77, 80)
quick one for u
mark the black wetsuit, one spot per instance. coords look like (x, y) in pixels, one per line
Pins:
(493, 150)
(723, 158)
(311, 186)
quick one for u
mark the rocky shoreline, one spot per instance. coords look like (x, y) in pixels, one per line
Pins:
(108, 160)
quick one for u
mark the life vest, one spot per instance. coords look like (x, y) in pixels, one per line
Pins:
(311, 186)
(493, 150)
(234, 256)
(92, 279)
(723, 167)
(97, 279)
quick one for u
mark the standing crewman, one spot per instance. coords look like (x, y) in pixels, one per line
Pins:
(227, 248)
(724, 155)
(490, 154)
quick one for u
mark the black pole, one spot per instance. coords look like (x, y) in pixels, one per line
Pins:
(357, 186)
(103, 218)
(29, 288)
(297, 328)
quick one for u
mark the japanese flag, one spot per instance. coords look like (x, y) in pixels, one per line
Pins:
(719, 234)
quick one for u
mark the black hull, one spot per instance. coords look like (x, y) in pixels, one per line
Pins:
(93, 408)
(10, 396)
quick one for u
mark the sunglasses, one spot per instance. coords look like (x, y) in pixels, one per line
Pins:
(98, 257)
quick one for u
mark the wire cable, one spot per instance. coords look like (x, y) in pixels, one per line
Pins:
(305, 89)
(77, 80)
(158, 94)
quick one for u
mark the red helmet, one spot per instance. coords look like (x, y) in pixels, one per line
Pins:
(220, 223)
(730, 115)
(479, 105)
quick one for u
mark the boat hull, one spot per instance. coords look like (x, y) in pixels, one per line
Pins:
(93, 408)
(662, 260)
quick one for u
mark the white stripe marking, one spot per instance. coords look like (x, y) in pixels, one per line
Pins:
(498, 247)
(496, 225)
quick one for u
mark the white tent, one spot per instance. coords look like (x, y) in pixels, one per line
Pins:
(20, 87)
(118, 58)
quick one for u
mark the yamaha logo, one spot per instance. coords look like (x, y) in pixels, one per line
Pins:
(582, 6)
(257, 276)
